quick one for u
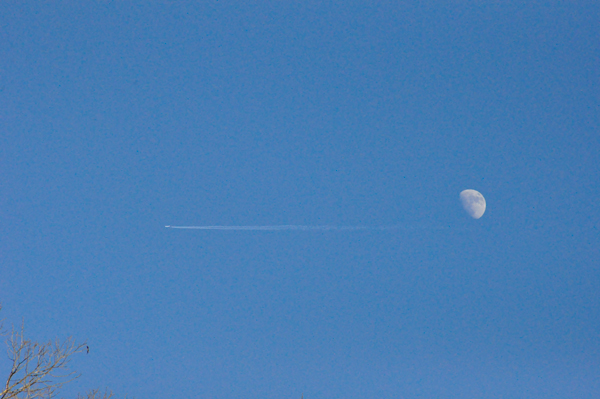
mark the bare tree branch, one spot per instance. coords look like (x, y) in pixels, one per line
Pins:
(96, 394)
(38, 370)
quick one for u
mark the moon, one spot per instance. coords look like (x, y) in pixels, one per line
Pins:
(473, 202)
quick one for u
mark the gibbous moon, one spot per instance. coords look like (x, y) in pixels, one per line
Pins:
(473, 202)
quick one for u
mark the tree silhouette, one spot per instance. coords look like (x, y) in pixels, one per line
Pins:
(39, 370)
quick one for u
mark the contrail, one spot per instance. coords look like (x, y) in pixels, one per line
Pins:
(289, 227)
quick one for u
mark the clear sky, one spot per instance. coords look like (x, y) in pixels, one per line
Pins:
(118, 118)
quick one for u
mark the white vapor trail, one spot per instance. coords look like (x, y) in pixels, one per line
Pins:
(287, 227)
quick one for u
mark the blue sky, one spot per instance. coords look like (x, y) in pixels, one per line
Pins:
(118, 118)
